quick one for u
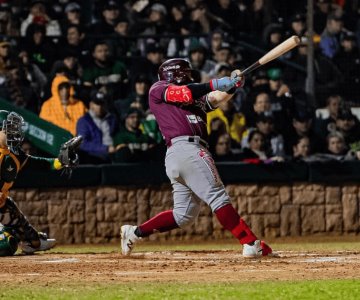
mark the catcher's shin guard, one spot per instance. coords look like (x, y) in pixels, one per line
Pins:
(11, 216)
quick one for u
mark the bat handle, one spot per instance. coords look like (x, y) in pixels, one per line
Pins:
(251, 68)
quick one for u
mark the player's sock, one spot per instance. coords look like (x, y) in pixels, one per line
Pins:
(230, 220)
(162, 222)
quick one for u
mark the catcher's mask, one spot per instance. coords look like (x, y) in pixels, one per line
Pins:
(176, 70)
(8, 242)
(13, 126)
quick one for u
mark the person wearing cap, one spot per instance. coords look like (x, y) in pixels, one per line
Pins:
(110, 12)
(62, 108)
(72, 16)
(38, 15)
(121, 43)
(330, 37)
(222, 54)
(281, 97)
(156, 20)
(135, 146)
(302, 125)
(138, 96)
(273, 141)
(273, 35)
(97, 127)
(348, 125)
(297, 25)
(348, 61)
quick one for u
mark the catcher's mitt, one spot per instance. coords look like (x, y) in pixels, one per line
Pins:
(68, 157)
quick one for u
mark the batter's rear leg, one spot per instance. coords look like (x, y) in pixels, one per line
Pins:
(186, 209)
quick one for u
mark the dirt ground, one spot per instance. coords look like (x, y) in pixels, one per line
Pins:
(178, 266)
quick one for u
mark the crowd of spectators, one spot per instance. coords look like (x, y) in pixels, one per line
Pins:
(87, 66)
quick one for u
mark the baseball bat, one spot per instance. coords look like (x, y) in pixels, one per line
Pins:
(274, 53)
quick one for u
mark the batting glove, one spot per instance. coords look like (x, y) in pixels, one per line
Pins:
(236, 74)
(223, 84)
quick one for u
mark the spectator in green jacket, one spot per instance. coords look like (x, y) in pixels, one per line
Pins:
(133, 144)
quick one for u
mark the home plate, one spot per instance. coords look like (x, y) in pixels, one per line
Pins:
(59, 260)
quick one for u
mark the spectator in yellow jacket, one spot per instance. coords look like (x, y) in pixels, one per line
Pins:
(62, 109)
(234, 122)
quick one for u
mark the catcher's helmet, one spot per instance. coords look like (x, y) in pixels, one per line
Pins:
(8, 242)
(176, 70)
(13, 126)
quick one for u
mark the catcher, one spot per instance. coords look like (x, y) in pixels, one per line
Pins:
(15, 229)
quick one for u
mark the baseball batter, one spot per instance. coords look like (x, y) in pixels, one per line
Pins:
(16, 226)
(180, 108)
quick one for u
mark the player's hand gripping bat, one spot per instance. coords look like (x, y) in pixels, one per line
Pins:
(274, 53)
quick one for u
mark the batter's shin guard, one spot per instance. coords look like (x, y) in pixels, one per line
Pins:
(230, 220)
(11, 216)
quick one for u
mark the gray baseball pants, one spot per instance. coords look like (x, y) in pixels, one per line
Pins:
(194, 177)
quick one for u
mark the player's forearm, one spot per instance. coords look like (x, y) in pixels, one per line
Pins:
(186, 94)
(216, 97)
(43, 163)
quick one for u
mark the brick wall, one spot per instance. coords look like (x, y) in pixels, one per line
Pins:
(95, 214)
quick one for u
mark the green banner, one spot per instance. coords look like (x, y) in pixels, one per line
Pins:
(42, 134)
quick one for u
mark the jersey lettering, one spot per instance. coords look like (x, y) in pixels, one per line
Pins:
(192, 119)
(178, 94)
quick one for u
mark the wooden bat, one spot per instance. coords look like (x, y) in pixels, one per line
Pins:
(274, 53)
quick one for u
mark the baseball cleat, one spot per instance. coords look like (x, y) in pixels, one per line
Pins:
(258, 249)
(128, 239)
(45, 244)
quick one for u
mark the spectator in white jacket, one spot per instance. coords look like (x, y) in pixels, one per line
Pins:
(38, 14)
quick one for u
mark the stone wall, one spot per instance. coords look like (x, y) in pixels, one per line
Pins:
(95, 214)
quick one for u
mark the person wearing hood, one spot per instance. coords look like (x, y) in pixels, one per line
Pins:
(62, 109)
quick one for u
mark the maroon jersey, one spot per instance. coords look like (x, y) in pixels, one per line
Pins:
(175, 119)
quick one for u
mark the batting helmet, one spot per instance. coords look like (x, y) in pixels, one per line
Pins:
(8, 242)
(176, 70)
(13, 126)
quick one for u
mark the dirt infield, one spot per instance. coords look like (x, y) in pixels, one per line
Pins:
(178, 266)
